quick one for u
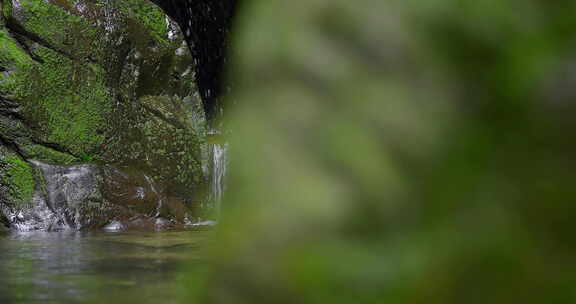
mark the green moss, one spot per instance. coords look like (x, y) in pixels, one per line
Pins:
(66, 102)
(44, 154)
(10, 53)
(12, 129)
(6, 8)
(87, 158)
(157, 137)
(64, 28)
(37, 15)
(19, 177)
(148, 15)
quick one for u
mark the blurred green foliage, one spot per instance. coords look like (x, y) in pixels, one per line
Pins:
(399, 152)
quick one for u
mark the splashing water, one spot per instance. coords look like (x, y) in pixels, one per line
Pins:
(57, 205)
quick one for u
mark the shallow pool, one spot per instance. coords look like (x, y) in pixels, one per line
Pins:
(96, 267)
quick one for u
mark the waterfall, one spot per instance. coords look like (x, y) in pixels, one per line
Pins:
(61, 200)
(218, 150)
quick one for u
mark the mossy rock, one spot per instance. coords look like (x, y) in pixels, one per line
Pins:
(97, 82)
(16, 179)
(158, 138)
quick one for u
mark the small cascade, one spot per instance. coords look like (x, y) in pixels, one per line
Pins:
(218, 163)
(57, 202)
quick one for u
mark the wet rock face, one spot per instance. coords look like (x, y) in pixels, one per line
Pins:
(69, 197)
(86, 86)
(69, 186)
(139, 194)
(133, 189)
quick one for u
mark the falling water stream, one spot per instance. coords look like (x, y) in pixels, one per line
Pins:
(217, 168)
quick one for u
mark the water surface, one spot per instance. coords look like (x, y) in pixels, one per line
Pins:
(96, 267)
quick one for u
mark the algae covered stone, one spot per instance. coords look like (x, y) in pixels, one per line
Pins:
(16, 179)
(98, 83)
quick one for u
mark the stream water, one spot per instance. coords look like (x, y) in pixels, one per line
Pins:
(96, 267)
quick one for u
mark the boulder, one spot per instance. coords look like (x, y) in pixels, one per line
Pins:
(98, 107)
